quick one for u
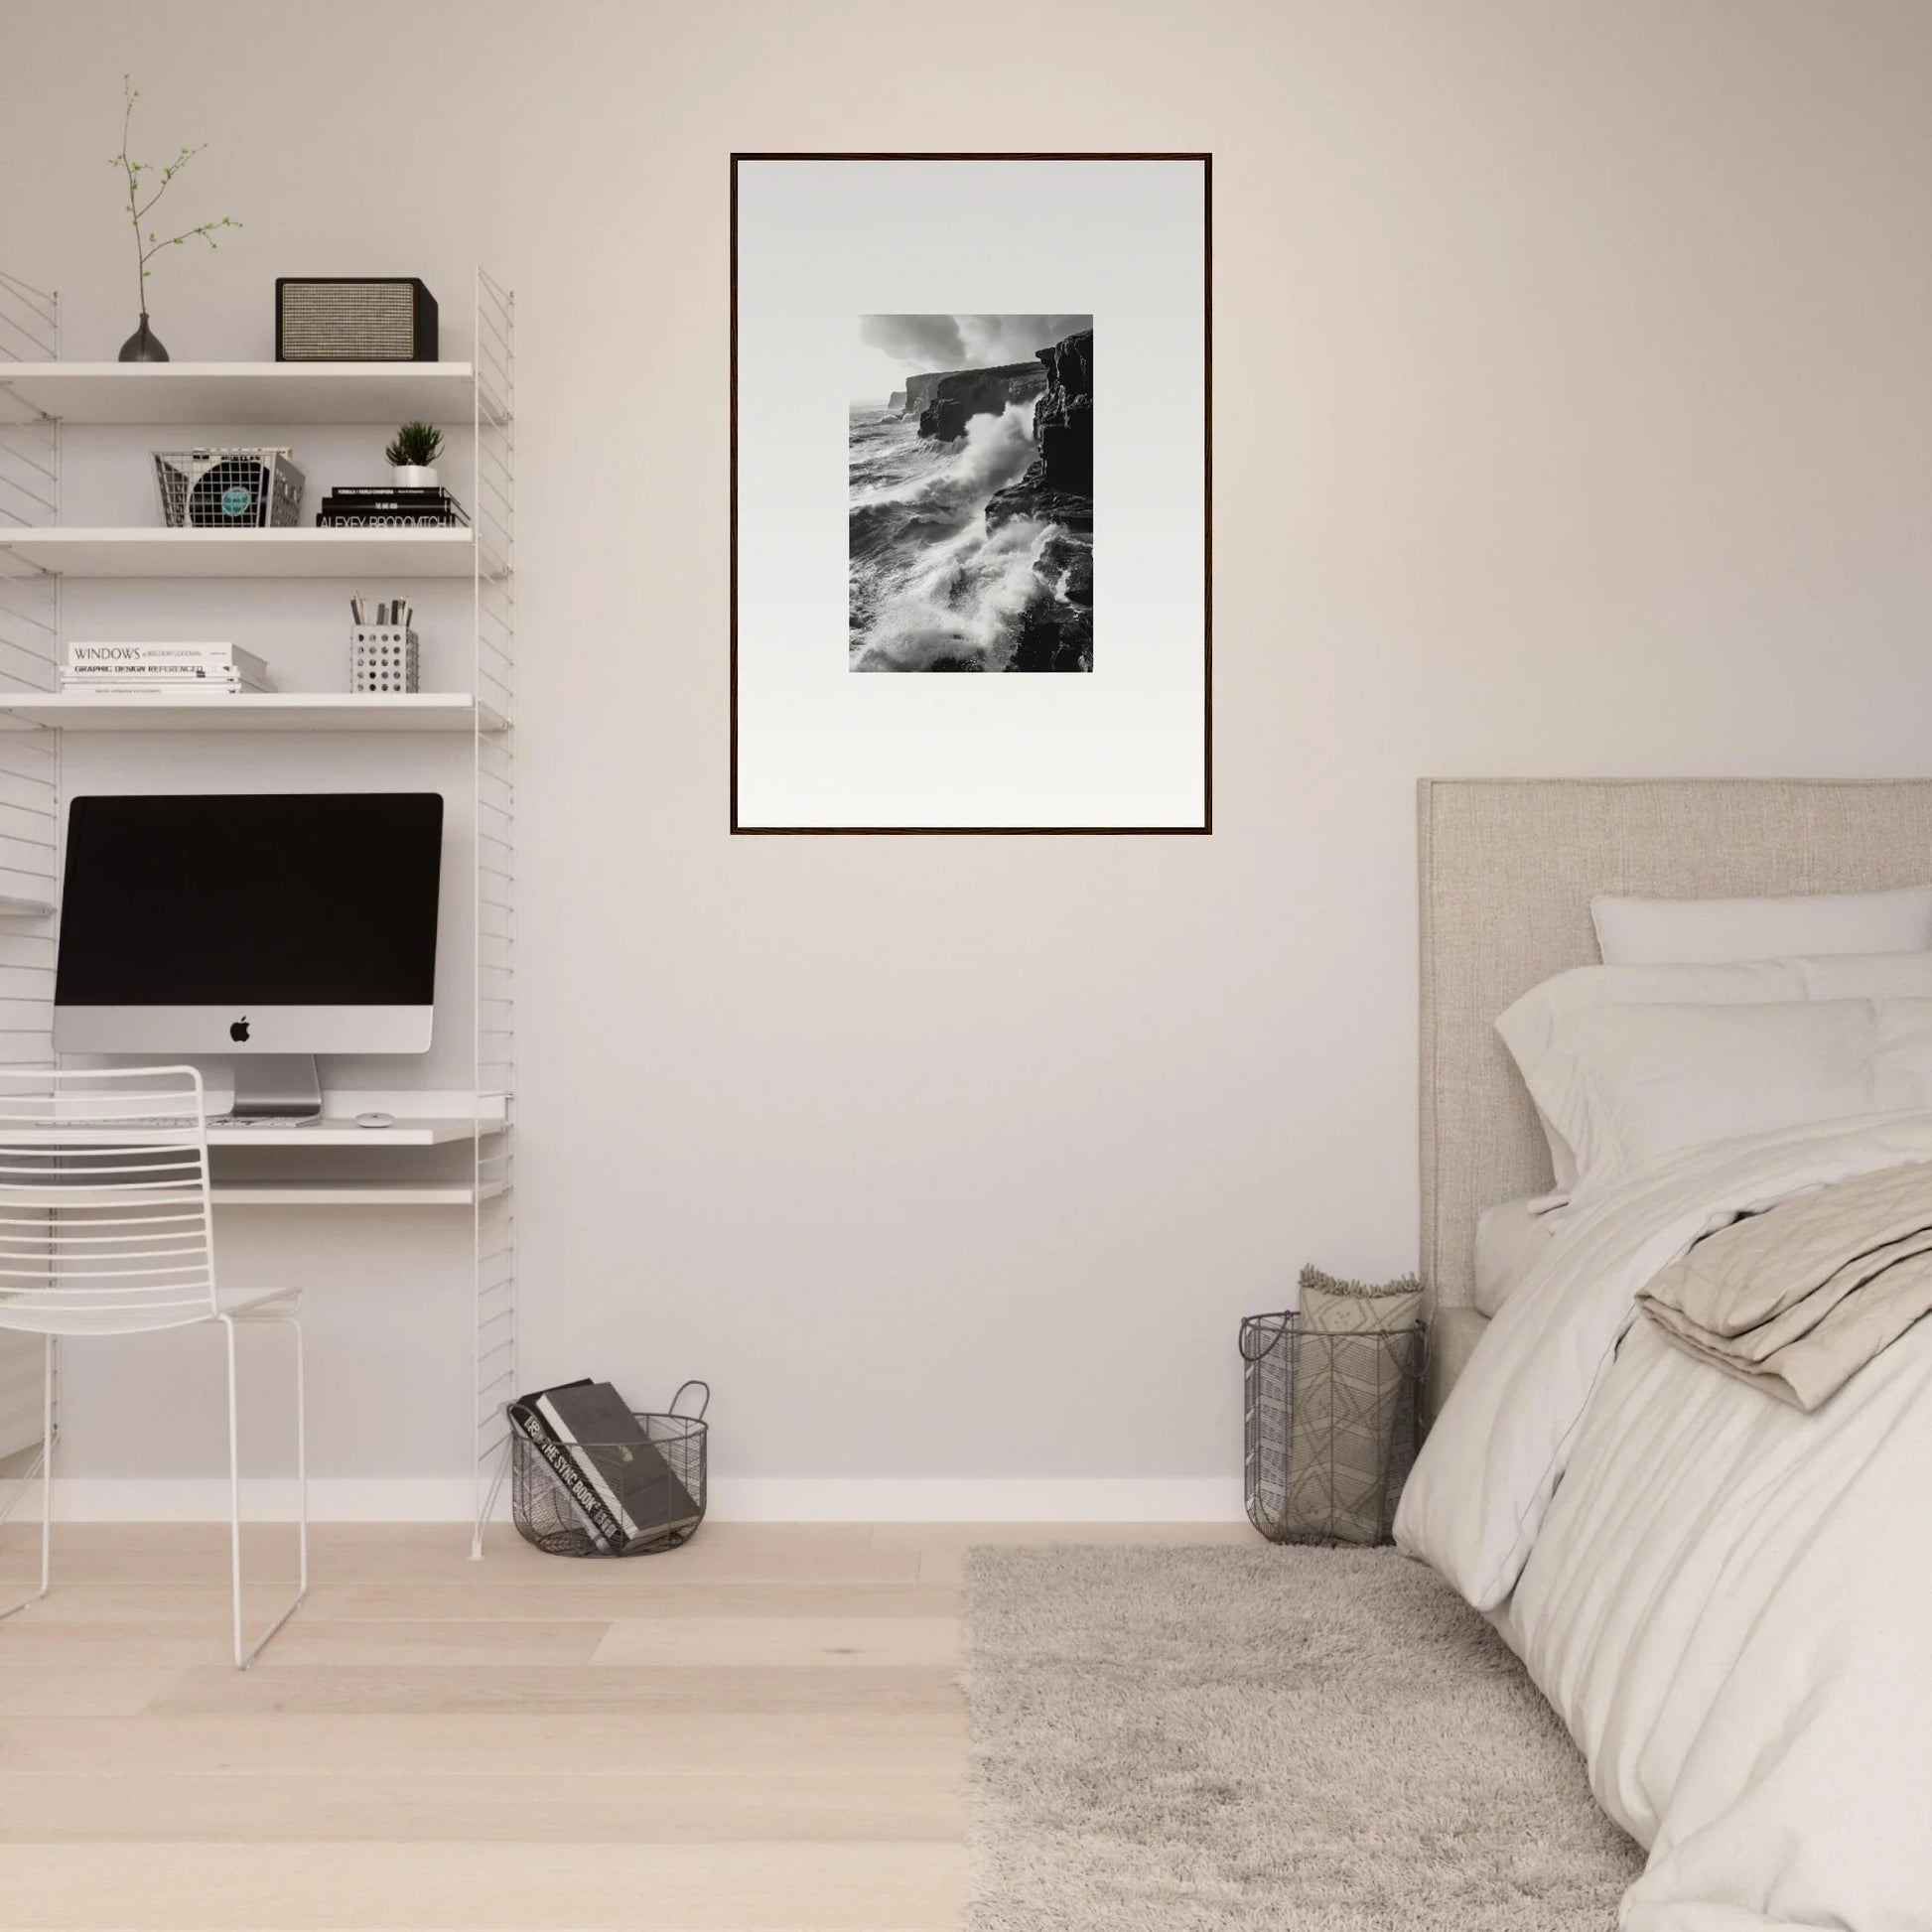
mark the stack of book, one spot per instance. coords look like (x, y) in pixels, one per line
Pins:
(204, 669)
(386, 507)
(624, 1491)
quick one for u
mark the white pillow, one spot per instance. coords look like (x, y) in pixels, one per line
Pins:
(1627, 1085)
(1529, 1029)
(1657, 931)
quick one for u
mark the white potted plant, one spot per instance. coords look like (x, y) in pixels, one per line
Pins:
(412, 455)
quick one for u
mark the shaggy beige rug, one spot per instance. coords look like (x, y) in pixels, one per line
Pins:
(1213, 1739)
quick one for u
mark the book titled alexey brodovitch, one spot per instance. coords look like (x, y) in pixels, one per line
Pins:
(376, 507)
(616, 1478)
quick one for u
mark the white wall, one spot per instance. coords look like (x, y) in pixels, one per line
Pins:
(1574, 401)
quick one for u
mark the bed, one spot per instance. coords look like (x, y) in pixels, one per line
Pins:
(1724, 1598)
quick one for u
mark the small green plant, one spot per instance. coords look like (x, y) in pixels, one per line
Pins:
(415, 447)
(148, 244)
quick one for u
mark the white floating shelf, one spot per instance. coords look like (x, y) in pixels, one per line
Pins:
(384, 393)
(349, 1194)
(135, 552)
(266, 711)
(326, 1132)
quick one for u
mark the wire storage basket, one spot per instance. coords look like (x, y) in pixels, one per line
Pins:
(553, 1509)
(229, 490)
(1332, 1425)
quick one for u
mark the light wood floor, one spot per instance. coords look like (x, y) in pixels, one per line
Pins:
(759, 1732)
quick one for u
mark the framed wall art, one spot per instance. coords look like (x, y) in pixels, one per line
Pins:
(971, 548)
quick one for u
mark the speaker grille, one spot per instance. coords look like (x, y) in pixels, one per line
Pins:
(348, 322)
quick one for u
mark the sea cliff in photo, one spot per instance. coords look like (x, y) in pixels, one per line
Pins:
(962, 394)
(971, 505)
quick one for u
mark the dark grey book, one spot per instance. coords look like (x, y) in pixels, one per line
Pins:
(388, 521)
(430, 503)
(595, 1425)
(576, 1482)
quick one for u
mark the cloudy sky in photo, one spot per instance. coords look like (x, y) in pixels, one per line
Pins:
(891, 347)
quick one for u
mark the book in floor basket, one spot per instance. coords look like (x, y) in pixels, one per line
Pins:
(599, 1522)
(615, 1476)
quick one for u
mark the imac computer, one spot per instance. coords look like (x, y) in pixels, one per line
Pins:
(267, 927)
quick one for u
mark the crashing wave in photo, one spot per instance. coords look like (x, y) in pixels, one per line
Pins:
(971, 495)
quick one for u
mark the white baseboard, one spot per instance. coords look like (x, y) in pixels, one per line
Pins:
(978, 1499)
(204, 1499)
(734, 1499)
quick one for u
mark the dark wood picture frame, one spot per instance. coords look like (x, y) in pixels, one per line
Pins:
(1207, 826)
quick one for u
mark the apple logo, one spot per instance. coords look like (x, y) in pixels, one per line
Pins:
(239, 1031)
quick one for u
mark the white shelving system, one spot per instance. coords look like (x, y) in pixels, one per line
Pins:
(38, 393)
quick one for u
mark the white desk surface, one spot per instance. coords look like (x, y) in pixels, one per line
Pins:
(334, 1130)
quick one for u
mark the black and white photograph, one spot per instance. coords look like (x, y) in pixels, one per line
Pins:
(925, 479)
(971, 460)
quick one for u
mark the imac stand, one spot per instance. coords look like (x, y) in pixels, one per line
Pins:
(276, 1086)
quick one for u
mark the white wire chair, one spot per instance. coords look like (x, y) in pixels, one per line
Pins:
(107, 1229)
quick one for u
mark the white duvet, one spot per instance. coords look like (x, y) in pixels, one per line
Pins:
(1729, 1602)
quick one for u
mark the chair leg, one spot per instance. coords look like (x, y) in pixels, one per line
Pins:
(47, 1486)
(245, 1653)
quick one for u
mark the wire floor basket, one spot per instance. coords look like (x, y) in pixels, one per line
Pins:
(546, 1514)
(1334, 1423)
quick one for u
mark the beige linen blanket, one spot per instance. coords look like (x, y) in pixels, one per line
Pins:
(1799, 1298)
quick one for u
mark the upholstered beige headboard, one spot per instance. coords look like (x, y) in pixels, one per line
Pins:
(1507, 869)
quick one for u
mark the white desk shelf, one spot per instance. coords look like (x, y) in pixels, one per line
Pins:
(351, 1193)
(139, 552)
(245, 392)
(268, 711)
(47, 563)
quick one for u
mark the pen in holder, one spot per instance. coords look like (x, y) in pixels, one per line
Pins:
(384, 657)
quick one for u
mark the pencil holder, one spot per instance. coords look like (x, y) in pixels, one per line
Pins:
(383, 658)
